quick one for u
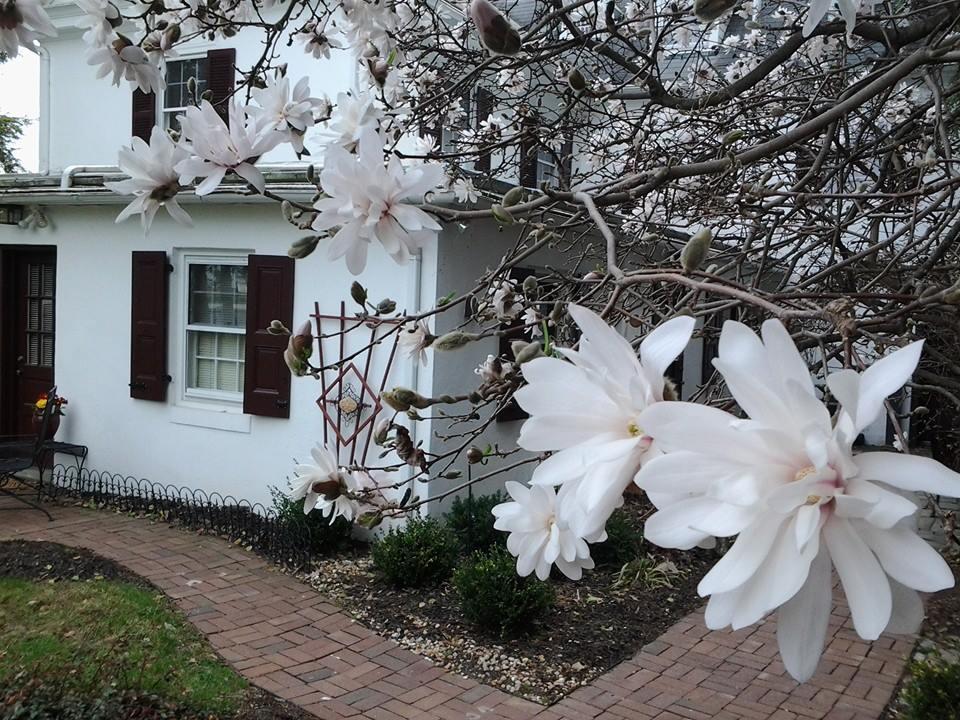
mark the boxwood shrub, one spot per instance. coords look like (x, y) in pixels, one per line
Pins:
(471, 520)
(421, 552)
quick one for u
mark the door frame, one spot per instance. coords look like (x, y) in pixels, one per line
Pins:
(8, 350)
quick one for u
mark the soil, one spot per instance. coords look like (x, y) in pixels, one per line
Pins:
(52, 562)
(594, 625)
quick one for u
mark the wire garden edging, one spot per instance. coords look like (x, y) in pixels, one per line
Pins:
(252, 525)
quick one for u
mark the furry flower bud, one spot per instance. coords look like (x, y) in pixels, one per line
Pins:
(453, 340)
(299, 349)
(576, 81)
(359, 293)
(525, 351)
(696, 250)
(709, 10)
(512, 197)
(496, 33)
(303, 247)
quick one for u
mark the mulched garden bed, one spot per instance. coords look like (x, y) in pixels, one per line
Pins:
(53, 562)
(593, 626)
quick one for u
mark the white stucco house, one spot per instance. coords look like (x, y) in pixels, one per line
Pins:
(158, 341)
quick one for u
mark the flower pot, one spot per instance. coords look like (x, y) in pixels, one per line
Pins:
(53, 424)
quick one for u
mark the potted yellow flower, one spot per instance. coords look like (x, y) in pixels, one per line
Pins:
(56, 412)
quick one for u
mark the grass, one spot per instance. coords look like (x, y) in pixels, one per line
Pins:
(99, 637)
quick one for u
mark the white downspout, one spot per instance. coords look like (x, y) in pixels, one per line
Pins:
(43, 152)
(66, 177)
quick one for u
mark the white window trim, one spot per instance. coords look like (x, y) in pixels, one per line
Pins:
(211, 399)
(164, 113)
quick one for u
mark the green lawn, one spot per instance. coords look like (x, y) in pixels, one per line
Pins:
(97, 638)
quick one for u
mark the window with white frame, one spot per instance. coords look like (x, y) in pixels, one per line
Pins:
(216, 326)
(547, 170)
(177, 97)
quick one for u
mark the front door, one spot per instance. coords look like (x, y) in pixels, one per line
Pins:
(30, 276)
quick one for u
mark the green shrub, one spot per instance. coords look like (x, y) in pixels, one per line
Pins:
(422, 552)
(933, 691)
(495, 598)
(623, 544)
(322, 536)
(471, 520)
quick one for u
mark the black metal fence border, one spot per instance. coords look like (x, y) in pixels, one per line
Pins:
(251, 525)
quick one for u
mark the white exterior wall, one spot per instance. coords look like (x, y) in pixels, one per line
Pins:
(178, 441)
(86, 120)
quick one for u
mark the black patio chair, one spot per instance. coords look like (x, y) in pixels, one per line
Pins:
(18, 454)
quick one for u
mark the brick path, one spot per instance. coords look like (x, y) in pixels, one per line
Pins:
(289, 640)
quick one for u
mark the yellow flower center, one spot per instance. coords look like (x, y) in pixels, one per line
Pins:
(812, 500)
(804, 473)
(634, 430)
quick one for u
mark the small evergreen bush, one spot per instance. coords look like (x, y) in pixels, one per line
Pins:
(496, 599)
(422, 552)
(322, 536)
(933, 691)
(623, 544)
(471, 520)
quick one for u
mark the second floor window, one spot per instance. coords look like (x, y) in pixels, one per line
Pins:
(177, 98)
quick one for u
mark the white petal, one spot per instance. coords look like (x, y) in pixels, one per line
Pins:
(743, 558)
(662, 346)
(803, 620)
(907, 615)
(908, 472)
(864, 581)
(908, 559)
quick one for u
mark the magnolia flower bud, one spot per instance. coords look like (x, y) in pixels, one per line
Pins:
(709, 10)
(453, 340)
(512, 197)
(530, 286)
(593, 276)
(303, 247)
(524, 351)
(696, 250)
(379, 69)
(311, 173)
(171, 35)
(359, 293)
(732, 136)
(277, 328)
(299, 349)
(398, 398)
(474, 455)
(495, 31)
(576, 81)
(501, 215)
(381, 431)
(386, 306)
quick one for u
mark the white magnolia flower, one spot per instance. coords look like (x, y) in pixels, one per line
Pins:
(464, 190)
(493, 369)
(153, 179)
(129, 62)
(415, 338)
(315, 40)
(540, 534)
(505, 300)
(352, 117)
(587, 411)
(100, 18)
(365, 199)
(788, 485)
(819, 9)
(215, 149)
(279, 111)
(326, 486)
(20, 23)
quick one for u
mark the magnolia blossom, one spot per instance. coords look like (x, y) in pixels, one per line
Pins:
(819, 9)
(493, 369)
(505, 300)
(216, 149)
(365, 199)
(20, 23)
(326, 486)
(787, 483)
(100, 18)
(464, 190)
(153, 179)
(352, 118)
(540, 533)
(315, 40)
(415, 338)
(587, 411)
(126, 60)
(279, 111)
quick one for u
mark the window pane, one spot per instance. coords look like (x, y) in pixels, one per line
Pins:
(218, 295)
(215, 361)
(178, 74)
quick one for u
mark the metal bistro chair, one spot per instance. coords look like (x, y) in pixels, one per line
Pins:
(21, 453)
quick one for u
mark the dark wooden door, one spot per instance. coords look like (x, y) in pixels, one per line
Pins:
(29, 304)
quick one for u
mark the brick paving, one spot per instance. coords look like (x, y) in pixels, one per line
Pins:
(289, 640)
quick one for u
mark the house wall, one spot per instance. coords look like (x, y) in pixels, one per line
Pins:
(184, 442)
(87, 120)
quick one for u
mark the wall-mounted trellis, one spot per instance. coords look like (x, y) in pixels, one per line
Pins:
(349, 397)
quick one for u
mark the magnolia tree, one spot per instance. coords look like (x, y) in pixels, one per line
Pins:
(788, 167)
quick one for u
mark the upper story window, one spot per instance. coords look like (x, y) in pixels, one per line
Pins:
(177, 98)
(216, 327)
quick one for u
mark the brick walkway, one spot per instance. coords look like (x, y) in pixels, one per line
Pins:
(289, 640)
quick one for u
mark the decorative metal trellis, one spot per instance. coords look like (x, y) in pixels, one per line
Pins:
(350, 401)
(250, 524)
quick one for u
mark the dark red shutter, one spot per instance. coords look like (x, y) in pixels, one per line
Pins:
(148, 326)
(266, 382)
(484, 108)
(221, 79)
(528, 153)
(144, 114)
